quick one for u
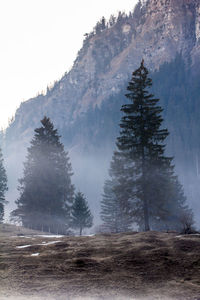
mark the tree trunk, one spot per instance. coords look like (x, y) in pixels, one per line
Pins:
(81, 230)
(146, 216)
(145, 202)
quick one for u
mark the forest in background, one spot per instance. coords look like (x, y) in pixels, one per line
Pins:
(90, 135)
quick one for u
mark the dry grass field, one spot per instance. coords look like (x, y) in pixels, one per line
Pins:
(151, 265)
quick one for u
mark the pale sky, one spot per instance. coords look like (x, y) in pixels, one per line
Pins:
(39, 40)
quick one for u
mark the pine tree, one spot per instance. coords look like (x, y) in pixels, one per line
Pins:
(152, 193)
(46, 191)
(115, 204)
(3, 187)
(80, 213)
(109, 208)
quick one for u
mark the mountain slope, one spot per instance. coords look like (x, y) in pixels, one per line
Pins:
(84, 105)
(156, 32)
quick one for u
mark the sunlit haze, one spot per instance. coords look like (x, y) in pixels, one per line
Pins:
(40, 41)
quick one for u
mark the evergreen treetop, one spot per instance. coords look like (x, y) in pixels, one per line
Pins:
(46, 191)
(144, 179)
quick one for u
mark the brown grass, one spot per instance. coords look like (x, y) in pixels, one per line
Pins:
(150, 265)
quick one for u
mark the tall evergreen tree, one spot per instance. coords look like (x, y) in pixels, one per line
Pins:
(46, 191)
(115, 203)
(147, 174)
(110, 208)
(80, 213)
(3, 187)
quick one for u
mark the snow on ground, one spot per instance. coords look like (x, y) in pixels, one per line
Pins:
(48, 243)
(35, 254)
(194, 234)
(83, 235)
(191, 235)
(43, 244)
(25, 246)
(89, 234)
(49, 236)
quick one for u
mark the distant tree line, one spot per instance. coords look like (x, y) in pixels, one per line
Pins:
(142, 190)
(118, 19)
(103, 24)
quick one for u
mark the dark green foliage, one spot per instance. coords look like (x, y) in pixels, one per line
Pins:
(46, 191)
(3, 187)
(155, 187)
(140, 137)
(178, 88)
(80, 213)
(115, 204)
(177, 84)
(1, 212)
(109, 208)
(100, 26)
(97, 126)
(144, 179)
(112, 20)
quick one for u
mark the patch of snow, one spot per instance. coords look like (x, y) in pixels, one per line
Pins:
(35, 254)
(49, 236)
(21, 247)
(43, 244)
(22, 236)
(78, 235)
(90, 234)
(184, 235)
(48, 243)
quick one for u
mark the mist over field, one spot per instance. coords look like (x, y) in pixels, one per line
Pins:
(100, 173)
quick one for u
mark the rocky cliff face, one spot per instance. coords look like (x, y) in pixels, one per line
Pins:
(157, 30)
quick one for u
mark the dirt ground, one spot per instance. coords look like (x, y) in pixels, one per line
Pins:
(135, 266)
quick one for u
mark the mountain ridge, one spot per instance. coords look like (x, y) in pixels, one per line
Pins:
(81, 103)
(108, 57)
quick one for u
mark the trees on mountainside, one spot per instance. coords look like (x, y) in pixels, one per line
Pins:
(142, 176)
(142, 188)
(46, 191)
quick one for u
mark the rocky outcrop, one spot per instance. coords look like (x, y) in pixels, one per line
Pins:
(156, 31)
